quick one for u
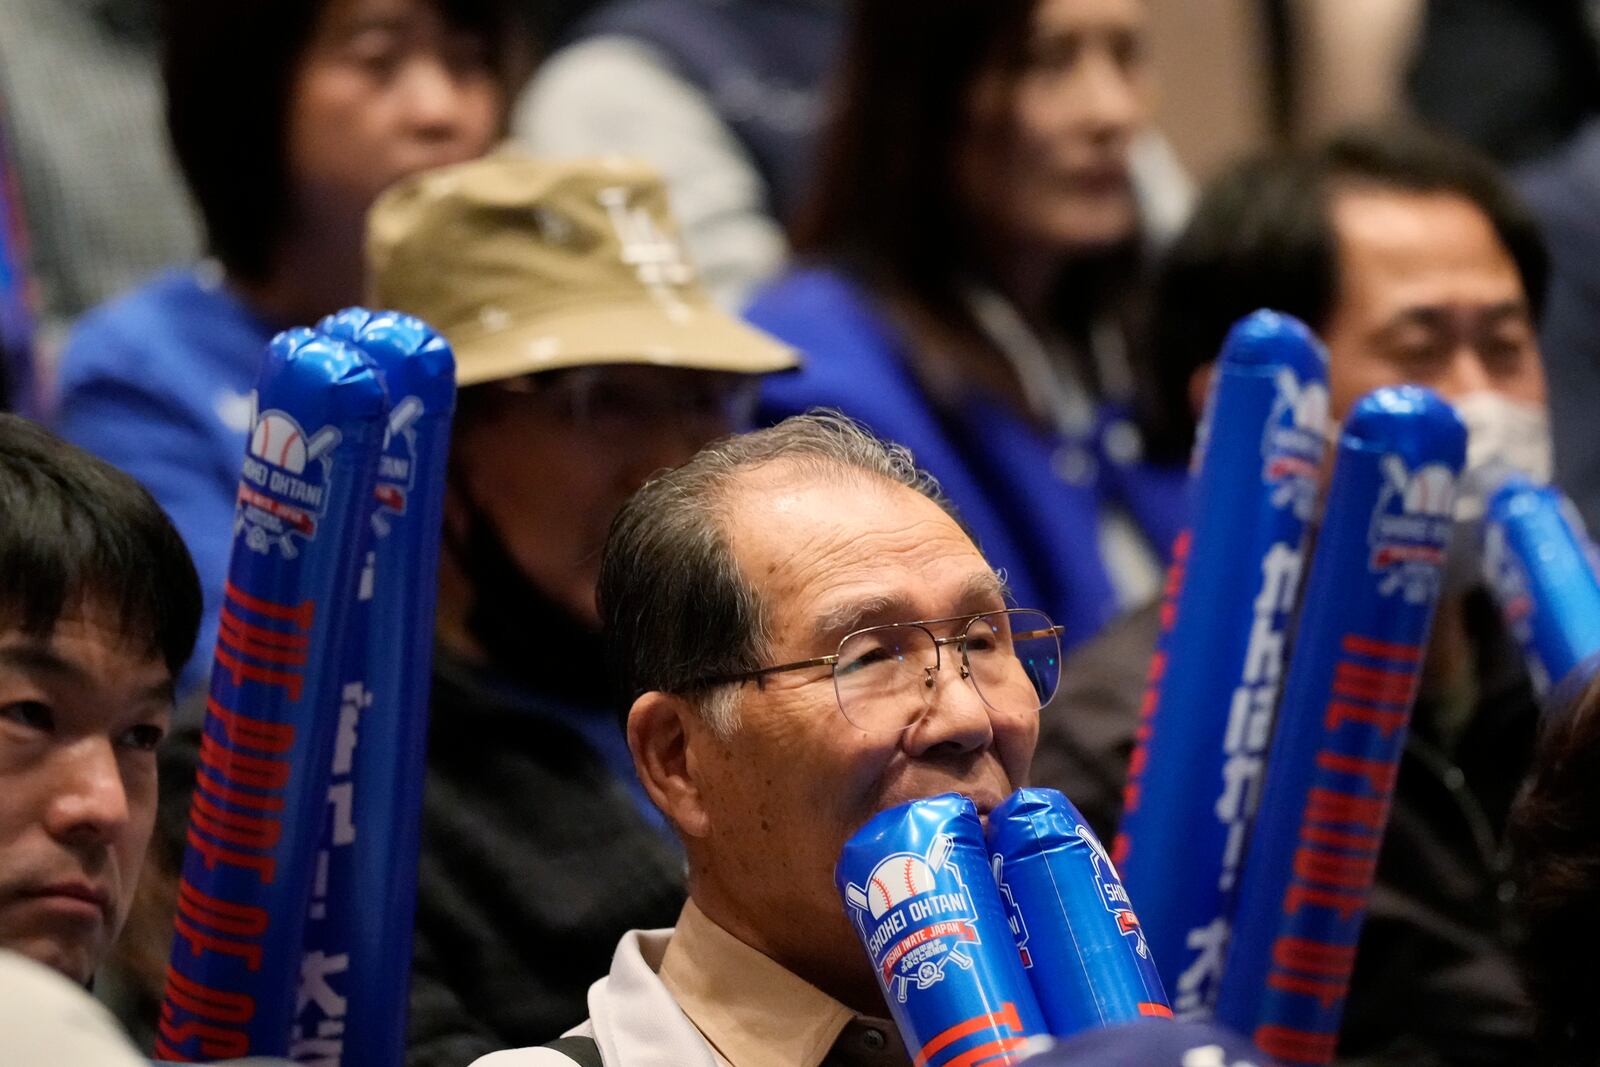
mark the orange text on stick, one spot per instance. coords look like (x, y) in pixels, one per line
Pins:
(1341, 831)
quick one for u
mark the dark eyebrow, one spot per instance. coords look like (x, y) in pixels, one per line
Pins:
(40, 659)
(1435, 316)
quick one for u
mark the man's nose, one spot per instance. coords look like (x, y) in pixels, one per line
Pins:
(1108, 98)
(434, 98)
(1465, 373)
(90, 803)
(957, 720)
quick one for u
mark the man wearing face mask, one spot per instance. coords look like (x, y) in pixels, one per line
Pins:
(1414, 263)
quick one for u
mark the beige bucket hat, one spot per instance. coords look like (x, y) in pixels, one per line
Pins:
(530, 265)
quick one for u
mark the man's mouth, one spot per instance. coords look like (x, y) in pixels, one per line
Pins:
(74, 897)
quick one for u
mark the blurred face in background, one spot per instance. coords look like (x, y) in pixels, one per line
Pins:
(385, 88)
(1044, 160)
(549, 459)
(1428, 294)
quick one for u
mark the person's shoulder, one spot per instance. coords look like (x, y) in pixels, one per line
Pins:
(827, 314)
(147, 316)
(177, 331)
(809, 288)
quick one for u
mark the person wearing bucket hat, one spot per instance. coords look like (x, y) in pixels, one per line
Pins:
(588, 357)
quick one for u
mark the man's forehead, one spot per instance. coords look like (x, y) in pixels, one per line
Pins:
(81, 644)
(805, 537)
(1401, 244)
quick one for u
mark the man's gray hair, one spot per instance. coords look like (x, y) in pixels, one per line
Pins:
(678, 612)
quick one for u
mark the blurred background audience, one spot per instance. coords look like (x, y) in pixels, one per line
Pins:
(287, 119)
(724, 98)
(969, 282)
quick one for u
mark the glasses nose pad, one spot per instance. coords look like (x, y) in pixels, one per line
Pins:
(929, 677)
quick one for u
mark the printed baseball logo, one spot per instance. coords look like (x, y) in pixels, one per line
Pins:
(397, 465)
(1292, 442)
(1112, 895)
(284, 482)
(657, 258)
(1410, 528)
(1014, 919)
(916, 917)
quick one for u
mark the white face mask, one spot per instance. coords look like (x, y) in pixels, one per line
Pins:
(1508, 432)
(1504, 436)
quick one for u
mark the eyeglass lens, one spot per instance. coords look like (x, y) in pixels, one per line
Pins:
(886, 676)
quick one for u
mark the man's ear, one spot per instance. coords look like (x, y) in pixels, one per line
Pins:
(1199, 386)
(662, 731)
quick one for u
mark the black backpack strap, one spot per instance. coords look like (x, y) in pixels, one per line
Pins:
(581, 1050)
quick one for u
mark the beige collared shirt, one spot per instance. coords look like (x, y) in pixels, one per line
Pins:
(755, 1013)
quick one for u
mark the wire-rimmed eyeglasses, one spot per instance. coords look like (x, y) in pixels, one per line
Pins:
(884, 677)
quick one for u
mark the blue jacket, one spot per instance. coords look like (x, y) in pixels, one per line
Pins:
(1031, 497)
(157, 382)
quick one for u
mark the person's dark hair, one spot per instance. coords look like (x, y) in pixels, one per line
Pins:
(228, 67)
(885, 203)
(675, 607)
(75, 530)
(1262, 236)
(1555, 834)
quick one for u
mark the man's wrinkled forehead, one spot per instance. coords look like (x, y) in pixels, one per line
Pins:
(818, 538)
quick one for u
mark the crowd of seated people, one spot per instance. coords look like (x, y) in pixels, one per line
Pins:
(647, 225)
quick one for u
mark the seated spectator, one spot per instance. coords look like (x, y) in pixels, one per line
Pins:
(1414, 262)
(971, 280)
(720, 580)
(1555, 828)
(288, 118)
(98, 610)
(723, 98)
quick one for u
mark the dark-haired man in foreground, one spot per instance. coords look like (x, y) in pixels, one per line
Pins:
(98, 610)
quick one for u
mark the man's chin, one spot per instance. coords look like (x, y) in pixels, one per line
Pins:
(74, 960)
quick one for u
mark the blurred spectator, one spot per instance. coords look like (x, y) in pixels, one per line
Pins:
(1514, 79)
(102, 198)
(1415, 263)
(722, 96)
(1564, 191)
(1556, 831)
(288, 117)
(589, 359)
(971, 281)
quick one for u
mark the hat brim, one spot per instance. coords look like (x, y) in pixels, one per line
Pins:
(681, 335)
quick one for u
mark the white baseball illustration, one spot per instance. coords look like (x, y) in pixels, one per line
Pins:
(896, 879)
(278, 440)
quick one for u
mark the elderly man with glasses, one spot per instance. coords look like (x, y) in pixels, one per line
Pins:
(809, 636)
